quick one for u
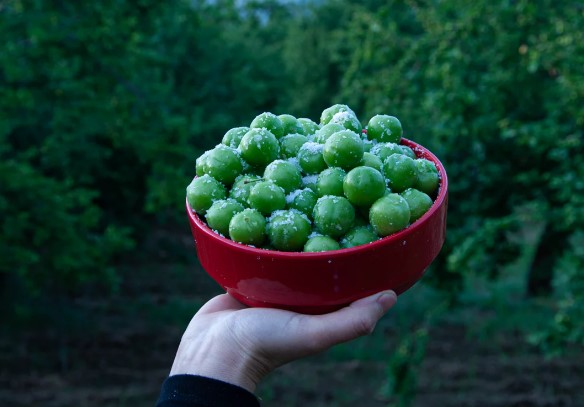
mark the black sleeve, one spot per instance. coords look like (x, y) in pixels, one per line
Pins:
(199, 391)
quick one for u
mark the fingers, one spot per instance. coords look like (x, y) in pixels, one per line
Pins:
(350, 322)
(221, 302)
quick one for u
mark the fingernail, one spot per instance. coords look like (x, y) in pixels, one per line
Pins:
(387, 300)
(381, 298)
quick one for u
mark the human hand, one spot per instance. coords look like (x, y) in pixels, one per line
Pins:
(228, 341)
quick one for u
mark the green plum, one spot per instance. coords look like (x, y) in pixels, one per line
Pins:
(309, 126)
(428, 178)
(329, 112)
(400, 171)
(242, 186)
(233, 137)
(223, 163)
(270, 122)
(363, 185)
(384, 128)
(333, 215)
(220, 213)
(290, 145)
(389, 214)
(310, 157)
(330, 182)
(358, 236)
(373, 161)
(343, 149)
(284, 174)
(418, 202)
(248, 227)
(291, 124)
(384, 150)
(302, 200)
(321, 244)
(200, 164)
(259, 147)
(203, 191)
(267, 197)
(348, 120)
(288, 230)
(326, 131)
(408, 152)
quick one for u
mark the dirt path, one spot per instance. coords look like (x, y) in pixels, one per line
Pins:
(124, 357)
(456, 372)
(128, 368)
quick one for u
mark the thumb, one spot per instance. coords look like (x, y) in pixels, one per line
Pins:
(358, 319)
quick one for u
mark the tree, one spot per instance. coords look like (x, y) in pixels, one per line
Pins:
(496, 90)
(103, 109)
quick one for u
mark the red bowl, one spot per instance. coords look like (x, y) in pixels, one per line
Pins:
(316, 283)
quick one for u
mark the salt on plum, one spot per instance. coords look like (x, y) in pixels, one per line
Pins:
(288, 230)
(333, 215)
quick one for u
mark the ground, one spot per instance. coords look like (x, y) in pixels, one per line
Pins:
(121, 352)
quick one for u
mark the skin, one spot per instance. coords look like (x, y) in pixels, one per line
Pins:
(228, 341)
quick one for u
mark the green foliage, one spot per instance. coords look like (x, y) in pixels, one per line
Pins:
(566, 327)
(405, 361)
(74, 140)
(483, 251)
(496, 91)
(105, 105)
(48, 231)
(402, 366)
(103, 108)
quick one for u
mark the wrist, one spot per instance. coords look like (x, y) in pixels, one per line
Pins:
(211, 359)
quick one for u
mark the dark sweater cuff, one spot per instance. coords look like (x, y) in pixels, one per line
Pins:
(199, 391)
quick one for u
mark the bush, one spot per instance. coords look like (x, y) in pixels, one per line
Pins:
(487, 86)
(496, 89)
(104, 107)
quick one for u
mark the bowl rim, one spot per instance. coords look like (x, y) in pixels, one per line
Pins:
(438, 202)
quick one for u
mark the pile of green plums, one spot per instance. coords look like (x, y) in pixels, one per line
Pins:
(294, 185)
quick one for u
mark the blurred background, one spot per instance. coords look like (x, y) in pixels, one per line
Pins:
(105, 105)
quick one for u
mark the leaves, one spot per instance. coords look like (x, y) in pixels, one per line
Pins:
(105, 105)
